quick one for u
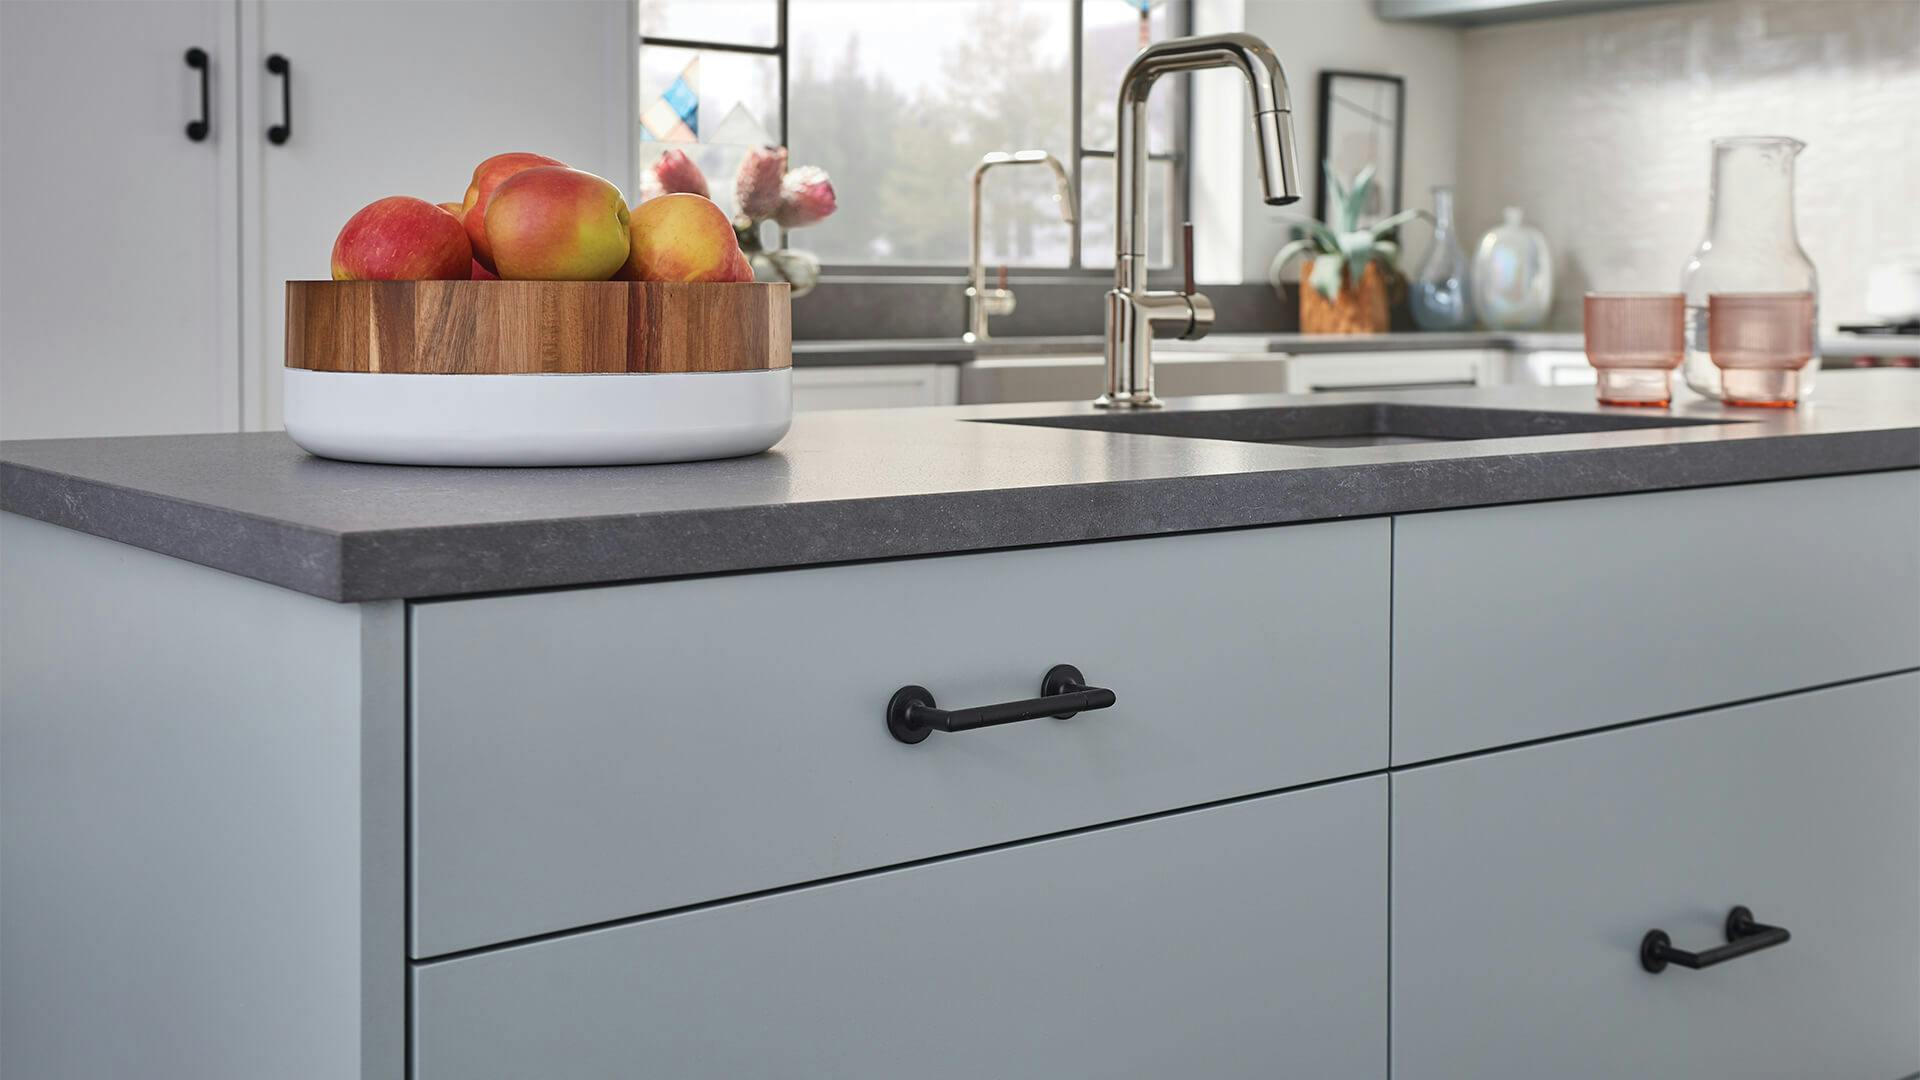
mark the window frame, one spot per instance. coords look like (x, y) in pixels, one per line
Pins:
(1180, 195)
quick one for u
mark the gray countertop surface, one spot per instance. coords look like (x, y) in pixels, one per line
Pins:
(955, 351)
(885, 484)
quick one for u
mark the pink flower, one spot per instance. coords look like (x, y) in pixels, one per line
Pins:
(649, 187)
(806, 198)
(677, 173)
(757, 189)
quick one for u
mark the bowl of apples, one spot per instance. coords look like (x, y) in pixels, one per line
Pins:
(538, 322)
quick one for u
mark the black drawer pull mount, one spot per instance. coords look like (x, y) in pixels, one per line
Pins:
(279, 133)
(198, 60)
(912, 716)
(1743, 936)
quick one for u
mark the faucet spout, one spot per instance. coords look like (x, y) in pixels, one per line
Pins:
(1136, 315)
(981, 301)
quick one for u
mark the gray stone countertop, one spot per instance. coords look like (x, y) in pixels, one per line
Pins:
(955, 351)
(886, 484)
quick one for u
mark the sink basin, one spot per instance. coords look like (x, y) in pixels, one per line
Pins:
(1356, 424)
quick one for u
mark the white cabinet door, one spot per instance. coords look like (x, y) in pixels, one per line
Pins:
(118, 289)
(874, 386)
(1314, 373)
(405, 98)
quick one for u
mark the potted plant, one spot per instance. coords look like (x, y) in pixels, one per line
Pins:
(1344, 284)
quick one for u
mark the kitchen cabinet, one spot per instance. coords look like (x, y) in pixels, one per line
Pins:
(663, 826)
(144, 271)
(119, 309)
(1622, 632)
(525, 809)
(1524, 882)
(874, 386)
(1243, 940)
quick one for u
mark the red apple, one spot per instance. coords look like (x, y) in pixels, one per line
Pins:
(552, 223)
(684, 237)
(481, 273)
(487, 176)
(402, 239)
(458, 210)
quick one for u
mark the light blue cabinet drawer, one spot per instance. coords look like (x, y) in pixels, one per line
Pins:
(1525, 881)
(602, 753)
(1520, 622)
(1239, 941)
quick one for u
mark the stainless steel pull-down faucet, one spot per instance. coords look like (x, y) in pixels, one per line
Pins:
(982, 301)
(1135, 315)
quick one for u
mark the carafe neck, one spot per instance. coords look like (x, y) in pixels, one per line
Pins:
(1752, 200)
(1442, 213)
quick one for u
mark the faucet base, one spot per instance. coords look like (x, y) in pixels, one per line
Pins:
(1139, 399)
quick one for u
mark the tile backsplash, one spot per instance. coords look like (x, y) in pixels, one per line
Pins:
(1598, 127)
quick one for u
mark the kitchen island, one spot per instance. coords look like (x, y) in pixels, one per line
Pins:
(1420, 727)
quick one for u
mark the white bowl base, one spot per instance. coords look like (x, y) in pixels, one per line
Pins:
(537, 420)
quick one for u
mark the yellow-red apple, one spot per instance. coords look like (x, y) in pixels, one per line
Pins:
(458, 210)
(401, 238)
(684, 237)
(551, 223)
(487, 176)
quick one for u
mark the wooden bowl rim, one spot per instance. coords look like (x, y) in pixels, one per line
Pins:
(536, 328)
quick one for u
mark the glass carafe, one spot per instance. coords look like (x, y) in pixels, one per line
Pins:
(1439, 297)
(1751, 246)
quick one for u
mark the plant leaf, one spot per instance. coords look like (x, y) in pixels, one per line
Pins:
(1325, 278)
(1393, 221)
(1323, 237)
(1387, 252)
(1334, 188)
(1356, 249)
(1276, 271)
(1356, 199)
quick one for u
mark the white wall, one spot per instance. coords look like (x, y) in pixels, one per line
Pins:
(1598, 126)
(1314, 35)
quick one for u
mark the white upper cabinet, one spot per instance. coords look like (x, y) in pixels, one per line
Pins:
(405, 98)
(118, 271)
(144, 271)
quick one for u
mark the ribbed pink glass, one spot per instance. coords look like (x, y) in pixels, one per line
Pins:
(1635, 340)
(1760, 341)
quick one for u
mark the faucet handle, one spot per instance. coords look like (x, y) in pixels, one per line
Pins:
(1186, 256)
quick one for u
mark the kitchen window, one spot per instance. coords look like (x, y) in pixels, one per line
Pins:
(897, 101)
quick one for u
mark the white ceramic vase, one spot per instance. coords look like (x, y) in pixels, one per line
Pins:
(1512, 276)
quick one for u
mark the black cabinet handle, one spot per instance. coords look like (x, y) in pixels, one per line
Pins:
(1743, 936)
(197, 129)
(279, 133)
(911, 715)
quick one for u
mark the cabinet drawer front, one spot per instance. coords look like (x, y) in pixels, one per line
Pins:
(1524, 881)
(597, 754)
(1514, 623)
(1243, 940)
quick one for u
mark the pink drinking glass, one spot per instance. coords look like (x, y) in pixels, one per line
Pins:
(1760, 341)
(1635, 340)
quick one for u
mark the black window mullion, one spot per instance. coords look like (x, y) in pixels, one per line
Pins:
(1079, 29)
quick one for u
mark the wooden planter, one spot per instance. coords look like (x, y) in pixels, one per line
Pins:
(519, 373)
(536, 327)
(1360, 310)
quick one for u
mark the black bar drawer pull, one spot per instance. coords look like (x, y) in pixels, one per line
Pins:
(279, 133)
(198, 60)
(912, 716)
(1743, 936)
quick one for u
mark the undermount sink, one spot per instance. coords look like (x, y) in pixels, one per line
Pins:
(1356, 424)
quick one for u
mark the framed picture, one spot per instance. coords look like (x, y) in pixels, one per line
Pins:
(1362, 122)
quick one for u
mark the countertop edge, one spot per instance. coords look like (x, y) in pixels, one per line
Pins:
(302, 559)
(411, 563)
